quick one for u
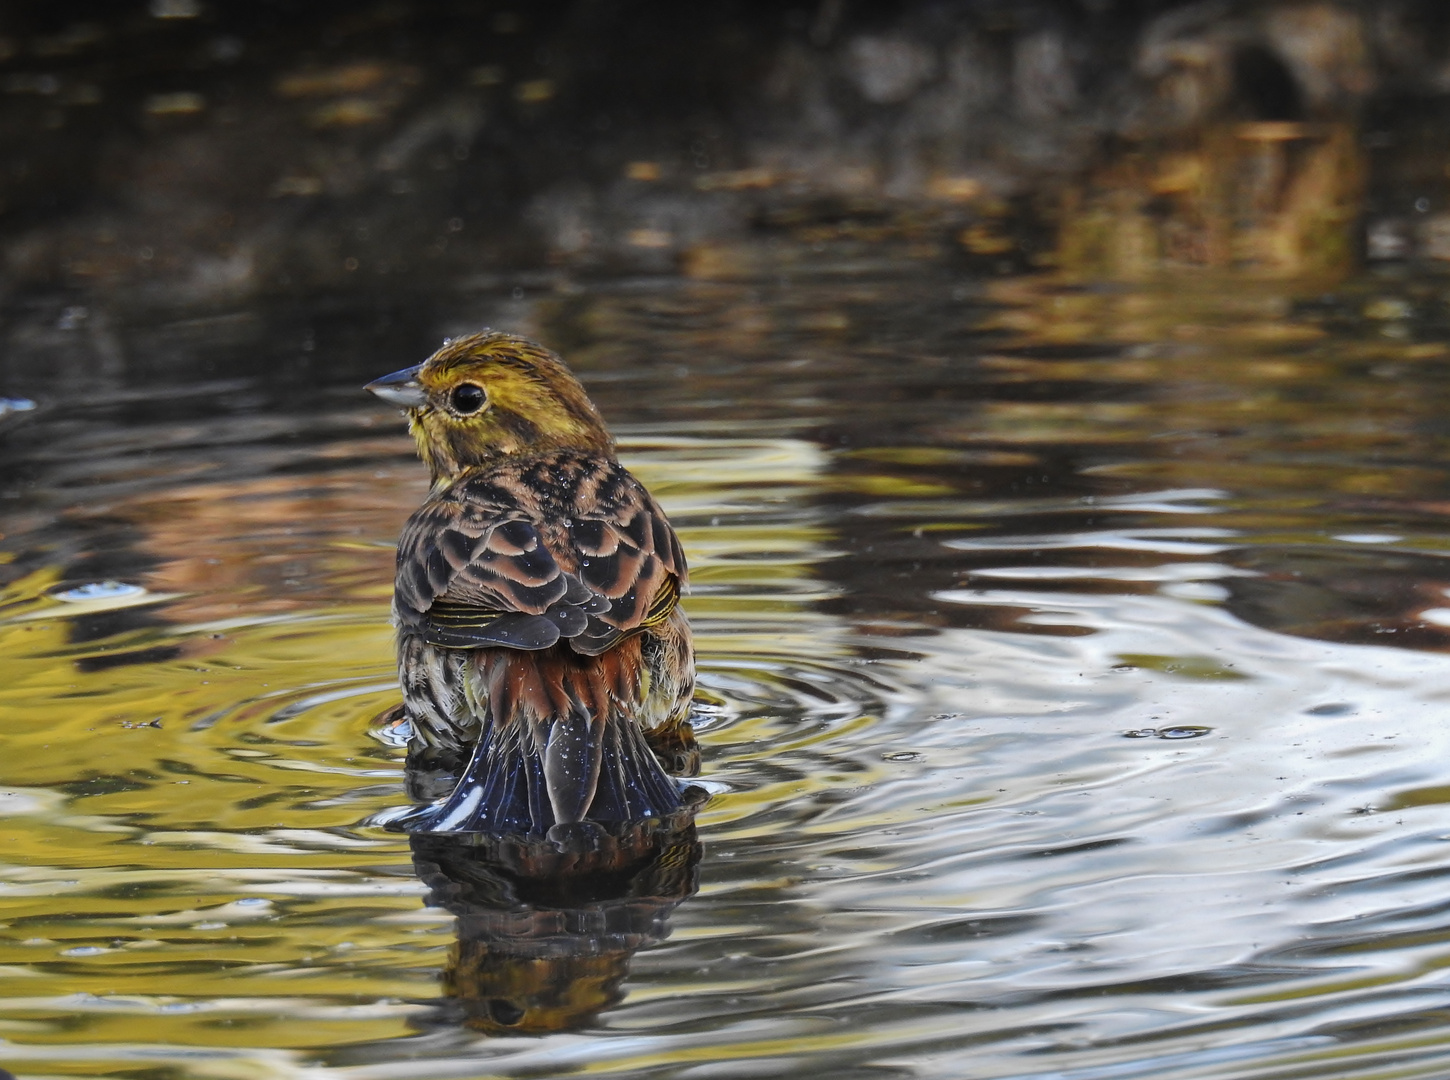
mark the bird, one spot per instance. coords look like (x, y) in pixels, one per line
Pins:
(541, 644)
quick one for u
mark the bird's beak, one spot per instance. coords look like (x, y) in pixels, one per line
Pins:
(401, 388)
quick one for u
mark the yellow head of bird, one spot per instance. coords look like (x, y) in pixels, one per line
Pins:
(488, 395)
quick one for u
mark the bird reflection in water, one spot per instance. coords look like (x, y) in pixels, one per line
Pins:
(546, 927)
(547, 673)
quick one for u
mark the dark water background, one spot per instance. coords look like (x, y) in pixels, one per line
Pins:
(1071, 620)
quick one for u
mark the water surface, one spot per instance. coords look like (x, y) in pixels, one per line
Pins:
(1071, 659)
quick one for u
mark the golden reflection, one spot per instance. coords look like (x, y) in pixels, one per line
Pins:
(189, 773)
(1274, 198)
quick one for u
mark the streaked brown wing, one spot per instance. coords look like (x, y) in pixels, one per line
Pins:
(475, 570)
(473, 574)
(633, 557)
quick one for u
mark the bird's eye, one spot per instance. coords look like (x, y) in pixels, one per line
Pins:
(467, 398)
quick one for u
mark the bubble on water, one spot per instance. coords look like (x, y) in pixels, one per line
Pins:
(83, 950)
(1185, 731)
(903, 755)
(396, 733)
(98, 590)
(1178, 731)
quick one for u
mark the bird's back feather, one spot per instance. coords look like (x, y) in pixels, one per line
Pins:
(563, 545)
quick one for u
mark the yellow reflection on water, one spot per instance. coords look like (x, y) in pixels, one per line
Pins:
(1274, 198)
(184, 787)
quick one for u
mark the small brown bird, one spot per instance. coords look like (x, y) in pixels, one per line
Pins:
(537, 600)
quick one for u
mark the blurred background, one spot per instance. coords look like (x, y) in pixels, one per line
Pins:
(189, 152)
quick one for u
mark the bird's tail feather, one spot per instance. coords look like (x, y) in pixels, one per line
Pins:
(559, 744)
